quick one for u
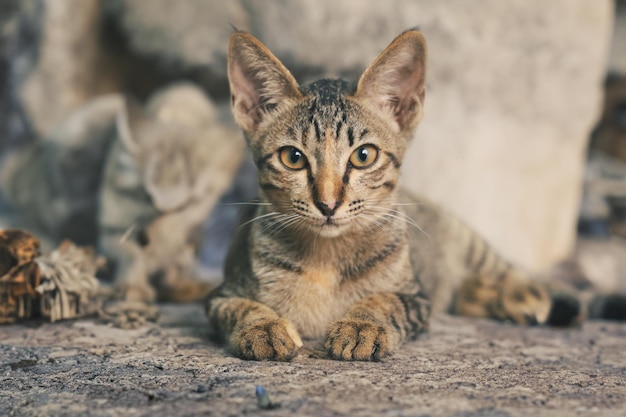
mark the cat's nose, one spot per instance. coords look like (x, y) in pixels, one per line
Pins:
(327, 207)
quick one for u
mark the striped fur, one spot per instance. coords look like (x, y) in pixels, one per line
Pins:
(332, 249)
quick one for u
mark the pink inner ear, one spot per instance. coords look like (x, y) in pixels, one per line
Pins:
(127, 130)
(172, 191)
(244, 95)
(395, 81)
(412, 86)
(396, 90)
(131, 123)
(258, 81)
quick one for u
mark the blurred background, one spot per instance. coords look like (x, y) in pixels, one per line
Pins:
(524, 134)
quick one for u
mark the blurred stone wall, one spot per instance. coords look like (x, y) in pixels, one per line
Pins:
(513, 92)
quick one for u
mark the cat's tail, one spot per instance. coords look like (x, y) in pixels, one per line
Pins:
(574, 295)
(608, 307)
(571, 306)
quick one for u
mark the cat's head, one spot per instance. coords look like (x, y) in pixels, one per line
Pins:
(171, 148)
(328, 153)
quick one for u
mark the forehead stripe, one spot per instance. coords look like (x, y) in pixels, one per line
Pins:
(351, 136)
(318, 133)
(338, 129)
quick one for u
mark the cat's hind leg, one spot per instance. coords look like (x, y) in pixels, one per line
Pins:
(508, 297)
(512, 296)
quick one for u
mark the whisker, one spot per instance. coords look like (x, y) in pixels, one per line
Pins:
(284, 223)
(141, 222)
(372, 219)
(396, 212)
(273, 213)
(277, 220)
(251, 203)
(128, 232)
(393, 201)
(401, 216)
(407, 204)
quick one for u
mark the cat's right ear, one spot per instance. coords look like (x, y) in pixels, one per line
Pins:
(394, 84)
(130, 122)
(259, 82)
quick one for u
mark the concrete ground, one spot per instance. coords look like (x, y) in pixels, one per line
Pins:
(463, 367)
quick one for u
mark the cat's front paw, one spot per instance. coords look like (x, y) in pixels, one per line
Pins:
(357, 340)
(267, 339)
(129, 314)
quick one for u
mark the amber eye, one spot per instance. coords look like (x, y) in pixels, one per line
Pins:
(364, 156)
(292, 158)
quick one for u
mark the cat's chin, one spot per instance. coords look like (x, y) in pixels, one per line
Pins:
(331, 230)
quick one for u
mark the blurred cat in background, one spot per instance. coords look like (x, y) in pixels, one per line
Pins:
(138, 183)
(166, 172)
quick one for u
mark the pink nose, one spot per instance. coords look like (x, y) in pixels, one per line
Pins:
(327, 207)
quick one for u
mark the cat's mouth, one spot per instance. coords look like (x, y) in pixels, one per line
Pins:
(330, 222)
(331, 226)
(328, 226)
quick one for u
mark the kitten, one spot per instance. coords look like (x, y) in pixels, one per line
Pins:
(335, 248)
(112, 167)
(161, 180)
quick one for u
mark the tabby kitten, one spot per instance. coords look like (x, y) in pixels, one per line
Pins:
(162, 178)
(138, 182)
(335, 248)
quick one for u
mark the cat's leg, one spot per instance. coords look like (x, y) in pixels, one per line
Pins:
(179, 282)
(464, 274)
(170, 253)
(124, 255)
(509, 296)
(132, 302)
(252, 330)
(376, 325)
(131, 275)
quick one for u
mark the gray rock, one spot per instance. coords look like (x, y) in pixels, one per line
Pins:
(463, 367)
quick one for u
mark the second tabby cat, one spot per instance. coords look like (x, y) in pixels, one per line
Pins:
(335, 248)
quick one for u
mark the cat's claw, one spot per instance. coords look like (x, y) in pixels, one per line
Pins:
(267, 339)
(357, 340)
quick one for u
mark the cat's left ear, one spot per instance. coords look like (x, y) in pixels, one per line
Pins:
(394, 84)
(131, 121)
(259, 82)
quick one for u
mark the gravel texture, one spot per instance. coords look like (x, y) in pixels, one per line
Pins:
(463, 367)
